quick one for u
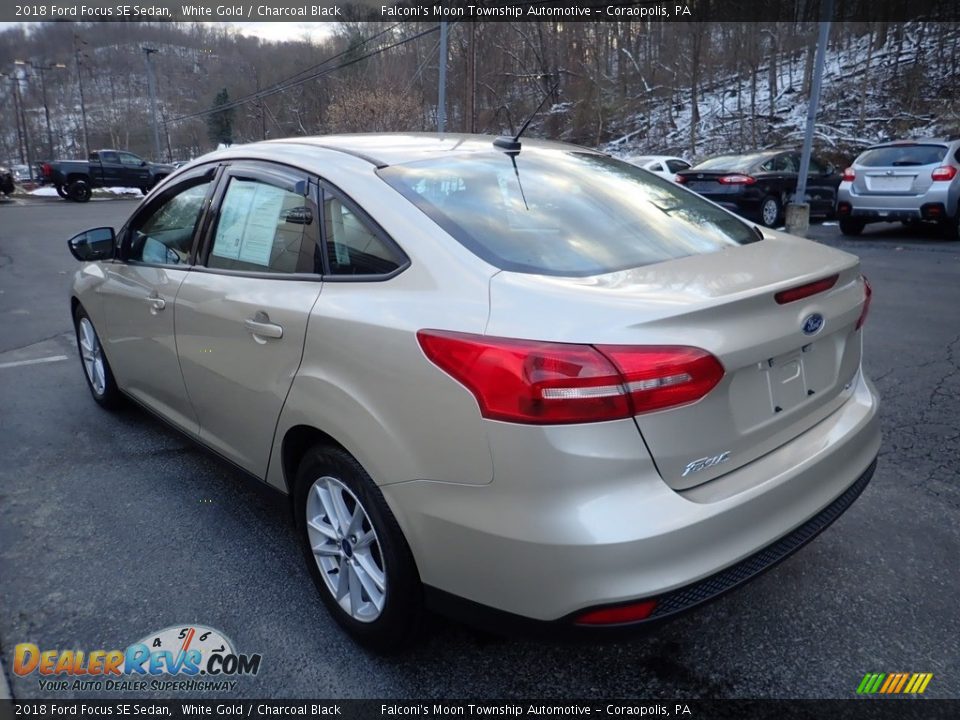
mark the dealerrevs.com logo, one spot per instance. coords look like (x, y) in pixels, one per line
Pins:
(190, 658)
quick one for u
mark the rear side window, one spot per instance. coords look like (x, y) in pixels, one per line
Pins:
(353, 248)
(902, 156)
(563, 213)
(265, 228)
(677, 165)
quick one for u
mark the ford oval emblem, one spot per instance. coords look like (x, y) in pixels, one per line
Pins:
(813, 324)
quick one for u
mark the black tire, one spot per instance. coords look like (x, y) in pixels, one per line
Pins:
(771, 212)
(79, 190)
(110, 396)
(950, 228)
(401, 616)
(62, 193)
(851, 227)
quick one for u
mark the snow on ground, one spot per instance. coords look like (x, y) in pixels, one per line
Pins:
(50, 191)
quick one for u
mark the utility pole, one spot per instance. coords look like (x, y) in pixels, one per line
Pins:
(442, 83)
(83, 106)
(147, 51)
(471, 79)
(798, 212)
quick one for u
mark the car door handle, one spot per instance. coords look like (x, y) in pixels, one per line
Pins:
(262, 328)
(157, 303)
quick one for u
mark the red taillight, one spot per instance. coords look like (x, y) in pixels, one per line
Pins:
(848, 175)
(545, 383)
(662, 377)
(736, 180)
(946, 172)
(867, 295)
(46, 169)
(804, 291)
(680, 179)
(618, 615)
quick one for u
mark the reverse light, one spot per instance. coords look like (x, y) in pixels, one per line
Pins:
(737, 180)
(867, 295)
(848, 175)
(545, 383)
(945, 172)
(617, 615)
(804, 291)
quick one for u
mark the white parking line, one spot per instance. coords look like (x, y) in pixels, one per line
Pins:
(53, 358)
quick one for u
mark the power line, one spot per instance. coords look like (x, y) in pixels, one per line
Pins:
(281, 87)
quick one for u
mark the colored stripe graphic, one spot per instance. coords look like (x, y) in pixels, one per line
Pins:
(894, 683)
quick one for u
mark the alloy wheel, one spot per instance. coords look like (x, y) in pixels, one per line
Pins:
(769, 212)
(346, 549)
(92, 355)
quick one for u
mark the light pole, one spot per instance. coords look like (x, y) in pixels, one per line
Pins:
(43, 90)
(151, 83)
(83, 107)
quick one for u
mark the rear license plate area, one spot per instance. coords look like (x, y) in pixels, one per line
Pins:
(883, 183)
(796, 376)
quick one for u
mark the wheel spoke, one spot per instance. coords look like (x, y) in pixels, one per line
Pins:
(356, 599)
(323, 493)
(101, 381)
(370, 570)
(324, 530)
(364, 540)
(340, 507)
(326, 549)
(343, 582)
(356, 521)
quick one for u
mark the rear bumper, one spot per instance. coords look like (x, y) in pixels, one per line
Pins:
(881, 208)
(668, 606)
(578, 517)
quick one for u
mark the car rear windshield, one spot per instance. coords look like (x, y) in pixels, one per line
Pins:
(739, 163)
(564, 213)
(902, 156)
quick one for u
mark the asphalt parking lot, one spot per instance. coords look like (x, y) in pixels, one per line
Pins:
(113, 526)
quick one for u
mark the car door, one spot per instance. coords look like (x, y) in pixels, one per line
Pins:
(242, 315)
(134, 171)
(111, 172)
(157, 248)
(822, 183)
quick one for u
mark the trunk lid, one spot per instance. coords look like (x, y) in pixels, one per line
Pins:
(778, 382)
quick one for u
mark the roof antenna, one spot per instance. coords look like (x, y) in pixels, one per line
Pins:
(512, 144)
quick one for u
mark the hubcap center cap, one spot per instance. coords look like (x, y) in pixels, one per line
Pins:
(346, 548)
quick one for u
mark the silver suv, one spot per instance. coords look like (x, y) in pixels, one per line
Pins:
(906, 180)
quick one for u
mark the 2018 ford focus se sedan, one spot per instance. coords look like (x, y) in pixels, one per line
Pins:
(524, 383)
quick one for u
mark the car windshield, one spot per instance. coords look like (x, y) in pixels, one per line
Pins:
(740, 163)
(902, 156)
(564, 213)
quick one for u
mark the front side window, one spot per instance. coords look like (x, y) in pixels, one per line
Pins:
(265, 228)
(564, 213)
(130, 160)
(165, 235)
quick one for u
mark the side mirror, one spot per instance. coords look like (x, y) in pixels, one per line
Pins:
(96, 244)
(143, 163)
(831, 169)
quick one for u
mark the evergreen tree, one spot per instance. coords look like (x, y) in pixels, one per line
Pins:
(220, 123)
